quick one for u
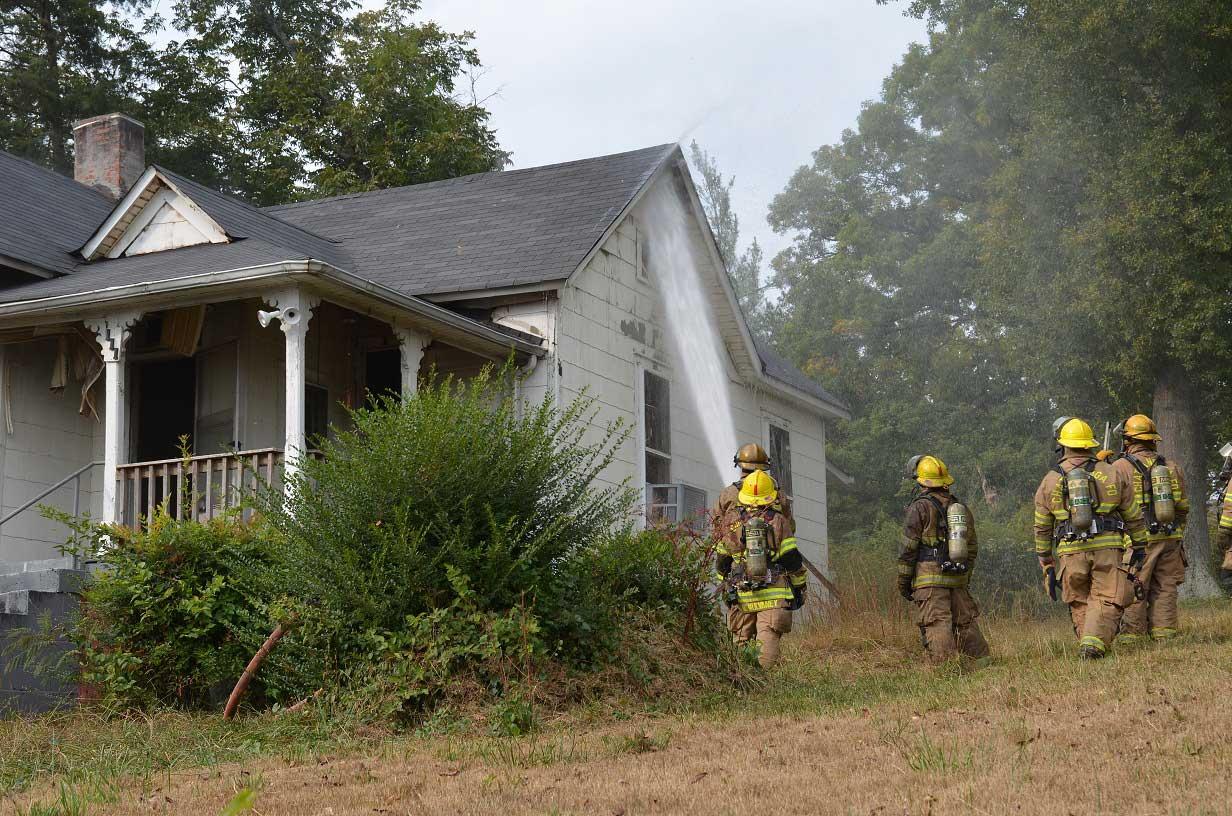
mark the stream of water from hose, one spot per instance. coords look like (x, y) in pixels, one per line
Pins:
(698, 351)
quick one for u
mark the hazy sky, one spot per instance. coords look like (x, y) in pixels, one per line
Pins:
(758, 84)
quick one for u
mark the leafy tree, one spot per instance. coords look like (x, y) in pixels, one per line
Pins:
(1031, 220)
(269, 99)
(744, 268)
(60, 61)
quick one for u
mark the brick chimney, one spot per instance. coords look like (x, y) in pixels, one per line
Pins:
(109, 153)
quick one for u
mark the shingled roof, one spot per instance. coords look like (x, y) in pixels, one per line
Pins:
(242, 220)
(472, 233)
(44, 216)
(483, 231)
(777, 367)
(477, 233)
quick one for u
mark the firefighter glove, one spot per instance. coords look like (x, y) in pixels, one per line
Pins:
(797, 597)
(731, 596)
(1050, 582)
(904, 586)
(1138, 558)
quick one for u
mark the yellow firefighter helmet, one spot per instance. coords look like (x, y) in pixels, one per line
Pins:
(930, 471)
(758, 490)
(1076, 434)
(1140, 426)
(751, 457)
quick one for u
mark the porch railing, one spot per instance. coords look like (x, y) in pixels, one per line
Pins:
(200, 487)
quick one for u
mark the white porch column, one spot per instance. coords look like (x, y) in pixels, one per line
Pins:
(112, 333)
(293, 309)
(412, 344)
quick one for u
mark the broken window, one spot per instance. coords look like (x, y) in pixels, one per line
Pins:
(780, 458)
(657, 423)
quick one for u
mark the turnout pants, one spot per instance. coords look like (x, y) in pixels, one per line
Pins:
(1097, 590)
(766, 627)
(1161, 575)
(947, 618)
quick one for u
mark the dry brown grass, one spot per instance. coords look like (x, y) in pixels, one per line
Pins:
(850, 724)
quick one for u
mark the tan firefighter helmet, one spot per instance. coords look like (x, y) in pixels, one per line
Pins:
(751, 457)
(1140, 427)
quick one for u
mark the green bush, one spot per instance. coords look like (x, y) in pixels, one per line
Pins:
(663, 572)
(171, 618)
(450, 548)
(463, 478)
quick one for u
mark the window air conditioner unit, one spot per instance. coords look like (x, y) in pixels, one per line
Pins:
(676, 504)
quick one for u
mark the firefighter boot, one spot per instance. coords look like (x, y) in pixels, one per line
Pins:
(971, 640)
(772, 624)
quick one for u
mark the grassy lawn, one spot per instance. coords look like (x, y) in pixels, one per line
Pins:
(851, 723)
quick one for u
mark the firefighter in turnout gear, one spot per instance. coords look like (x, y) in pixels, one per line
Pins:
(1223, 534)
(750, 459)
(1159, 489)
(934, 567)
(760, 571)
(1085, 515)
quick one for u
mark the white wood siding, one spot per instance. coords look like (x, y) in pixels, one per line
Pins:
(610, 328)
(50, 440)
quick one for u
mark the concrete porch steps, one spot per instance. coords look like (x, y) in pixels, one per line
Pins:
(33, 594)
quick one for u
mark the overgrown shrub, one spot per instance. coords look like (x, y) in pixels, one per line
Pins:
(662, 572)
(465, 478)
(172, 617)
(453, 547)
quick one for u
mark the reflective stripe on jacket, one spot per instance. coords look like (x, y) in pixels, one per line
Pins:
(921, 529)
(787, 566)
(1114, 498)
(1147, 457)
(1225, 512)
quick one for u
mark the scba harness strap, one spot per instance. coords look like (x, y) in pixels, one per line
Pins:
(1148, 494)
(1100, 522)
(773, 571)
(940, 551)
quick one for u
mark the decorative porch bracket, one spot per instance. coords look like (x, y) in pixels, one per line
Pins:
(112, 332)
(412, 344)
(292, 309)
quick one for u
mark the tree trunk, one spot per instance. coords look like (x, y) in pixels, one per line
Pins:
(1180, 424)
(51, 106)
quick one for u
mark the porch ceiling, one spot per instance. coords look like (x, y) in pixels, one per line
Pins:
(258, 280)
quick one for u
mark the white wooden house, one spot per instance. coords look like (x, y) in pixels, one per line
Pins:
(137, 307)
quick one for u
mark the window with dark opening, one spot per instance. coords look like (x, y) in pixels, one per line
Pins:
(780, 458)
(316, 413)
(658, 429)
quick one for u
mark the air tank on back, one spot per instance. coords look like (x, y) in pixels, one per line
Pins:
(756, 547)
(1163, 504)
(1081, 511)
(958, 520)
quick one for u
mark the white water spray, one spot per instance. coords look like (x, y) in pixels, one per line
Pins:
(697, 348)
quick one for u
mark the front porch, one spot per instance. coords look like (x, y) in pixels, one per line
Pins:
(198, 393)
(201, 424)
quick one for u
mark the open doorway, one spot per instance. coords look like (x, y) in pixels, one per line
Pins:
(166, 408)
